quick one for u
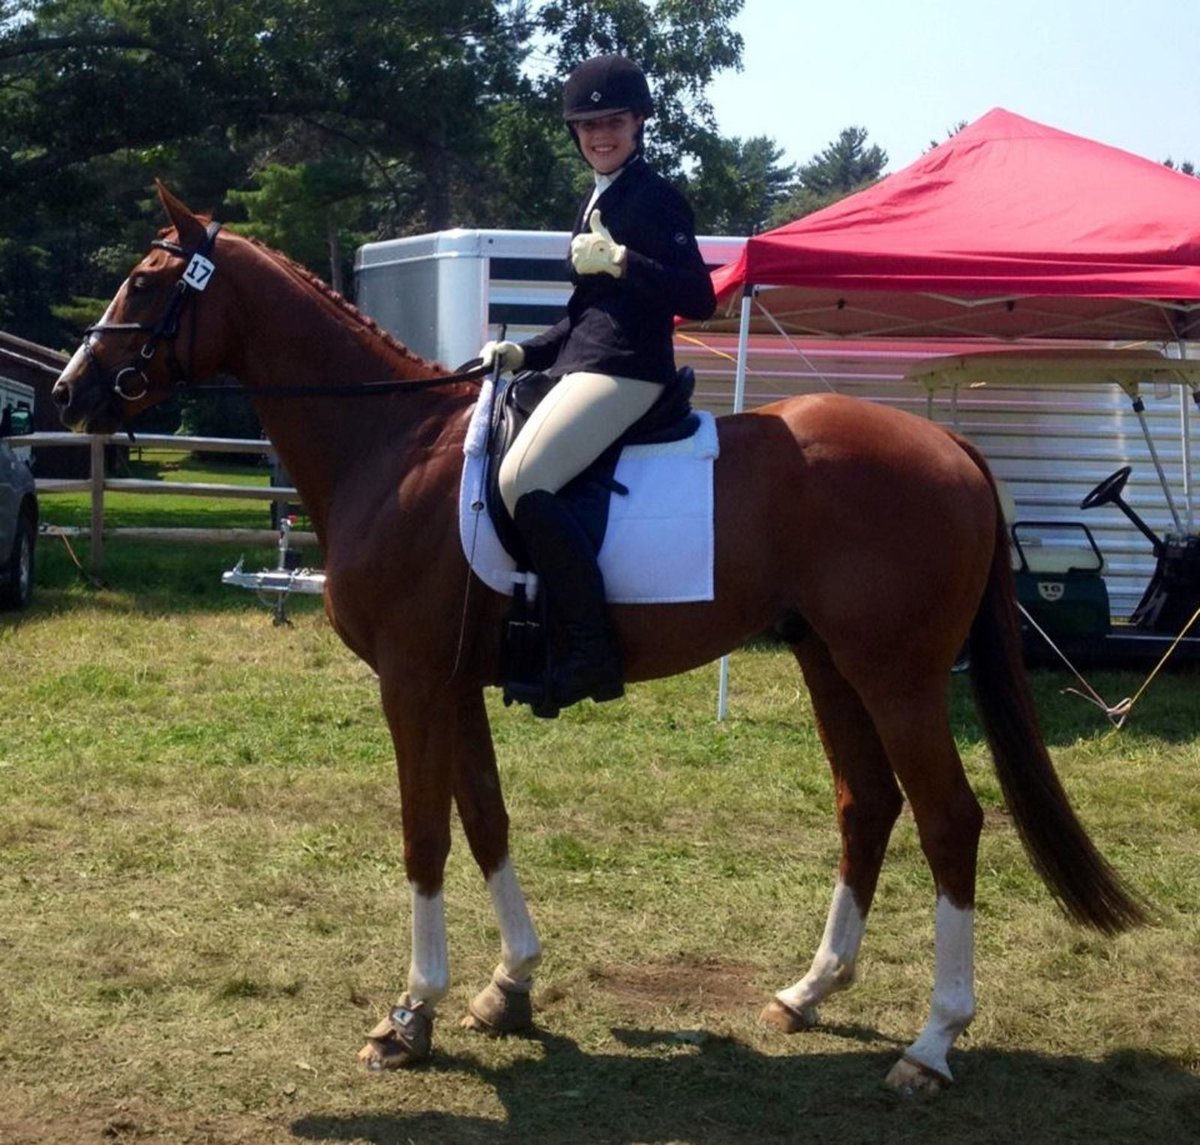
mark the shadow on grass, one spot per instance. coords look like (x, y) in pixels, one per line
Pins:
(721, 1092)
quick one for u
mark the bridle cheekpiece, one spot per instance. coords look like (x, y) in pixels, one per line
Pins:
(195, 278)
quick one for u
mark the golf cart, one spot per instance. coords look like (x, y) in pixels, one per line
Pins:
(1060, 567)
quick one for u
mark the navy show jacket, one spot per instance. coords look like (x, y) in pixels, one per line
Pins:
(623, 326)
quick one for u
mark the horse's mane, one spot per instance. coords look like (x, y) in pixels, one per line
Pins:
(340, 304)
(332, 299)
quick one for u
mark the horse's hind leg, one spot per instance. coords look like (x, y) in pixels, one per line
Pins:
(868, 802)
(911, 717)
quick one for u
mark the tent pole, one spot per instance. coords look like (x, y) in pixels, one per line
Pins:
(739, 402)
(1185, 431)
(739, 377)
(1139, 408)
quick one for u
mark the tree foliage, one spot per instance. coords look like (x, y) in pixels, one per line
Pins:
(739, 184)
(1186, 167)
(845, 166)
(318, 124)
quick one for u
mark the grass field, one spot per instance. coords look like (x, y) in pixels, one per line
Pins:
(203, 909)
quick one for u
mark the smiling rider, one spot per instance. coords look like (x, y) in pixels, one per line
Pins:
(634, 264)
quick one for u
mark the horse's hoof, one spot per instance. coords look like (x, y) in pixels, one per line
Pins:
(496, 1011)
(776, 1016)
(404, 1038)
(908, 1079)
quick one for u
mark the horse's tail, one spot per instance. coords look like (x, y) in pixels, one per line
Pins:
(1084, 884)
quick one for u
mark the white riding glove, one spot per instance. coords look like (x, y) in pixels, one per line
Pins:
(597, 252)
(508, 354)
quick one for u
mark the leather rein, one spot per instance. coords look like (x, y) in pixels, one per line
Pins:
(164, 334)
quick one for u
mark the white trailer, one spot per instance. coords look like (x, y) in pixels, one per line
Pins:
(443, 295)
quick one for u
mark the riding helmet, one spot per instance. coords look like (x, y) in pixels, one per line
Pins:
(603, 85)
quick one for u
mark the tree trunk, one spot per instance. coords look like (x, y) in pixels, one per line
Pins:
(335, 252)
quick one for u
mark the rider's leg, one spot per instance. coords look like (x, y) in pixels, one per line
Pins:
(580, 417)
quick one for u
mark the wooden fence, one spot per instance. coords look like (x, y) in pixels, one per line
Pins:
(98, 483)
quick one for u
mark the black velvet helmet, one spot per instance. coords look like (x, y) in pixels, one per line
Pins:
(603, 85)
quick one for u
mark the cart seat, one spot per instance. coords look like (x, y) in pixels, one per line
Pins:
(1037, 546)
(1058, 584)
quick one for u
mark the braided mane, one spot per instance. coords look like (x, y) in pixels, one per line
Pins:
(366, 325)
(342, 305)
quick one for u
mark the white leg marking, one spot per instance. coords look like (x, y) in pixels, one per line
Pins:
(953, 988)
(520, 949)
(429, 970)
(833, 965)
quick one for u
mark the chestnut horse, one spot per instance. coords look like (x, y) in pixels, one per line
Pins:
(869, 538)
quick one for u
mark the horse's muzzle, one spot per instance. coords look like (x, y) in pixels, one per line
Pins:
(84, 407)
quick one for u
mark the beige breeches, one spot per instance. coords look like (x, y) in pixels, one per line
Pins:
(574, 423)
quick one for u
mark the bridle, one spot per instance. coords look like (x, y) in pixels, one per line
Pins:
(164, 332)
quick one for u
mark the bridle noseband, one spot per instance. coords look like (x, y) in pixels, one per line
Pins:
(165, 331)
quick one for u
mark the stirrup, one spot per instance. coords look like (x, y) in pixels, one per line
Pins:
(534, 693)
(580, 678)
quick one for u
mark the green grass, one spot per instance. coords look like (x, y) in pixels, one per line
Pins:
(167, 509)
(203, 908)
(163, 577)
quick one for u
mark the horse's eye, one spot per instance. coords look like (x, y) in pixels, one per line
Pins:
(139, 284)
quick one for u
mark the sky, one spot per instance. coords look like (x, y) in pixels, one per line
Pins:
(1119, 72)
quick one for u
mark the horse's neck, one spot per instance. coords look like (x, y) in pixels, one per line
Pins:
(296, 337)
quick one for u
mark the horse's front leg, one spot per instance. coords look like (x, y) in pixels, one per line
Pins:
(444, 747)
(424, 729)
(503, 1006)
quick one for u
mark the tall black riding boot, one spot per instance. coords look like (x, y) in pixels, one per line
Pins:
(563, 558)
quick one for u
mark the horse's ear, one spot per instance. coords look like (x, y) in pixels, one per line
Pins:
(189, 228)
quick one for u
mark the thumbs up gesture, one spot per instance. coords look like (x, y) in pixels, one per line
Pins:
(596, 251)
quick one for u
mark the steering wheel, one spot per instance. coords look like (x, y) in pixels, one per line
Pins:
(1109, 490)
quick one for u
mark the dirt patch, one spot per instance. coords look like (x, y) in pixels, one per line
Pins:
(997, 819)
(130, 1124)
(708, 985)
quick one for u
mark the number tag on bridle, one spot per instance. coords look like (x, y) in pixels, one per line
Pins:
(199, 272)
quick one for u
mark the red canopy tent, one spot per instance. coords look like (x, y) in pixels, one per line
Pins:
(1009, 229)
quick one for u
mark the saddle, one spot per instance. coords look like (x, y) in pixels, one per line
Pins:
(671, 418)
(526, 646)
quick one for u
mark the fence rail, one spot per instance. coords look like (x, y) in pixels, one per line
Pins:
(98, 483)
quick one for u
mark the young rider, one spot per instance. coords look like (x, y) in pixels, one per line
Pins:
(634, 265)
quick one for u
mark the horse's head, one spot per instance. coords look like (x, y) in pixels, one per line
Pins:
(148, 342)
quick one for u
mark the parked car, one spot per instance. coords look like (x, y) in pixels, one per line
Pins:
(18, 514)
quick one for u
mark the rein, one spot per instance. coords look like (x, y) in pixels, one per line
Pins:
(356, 390)
(194, 280)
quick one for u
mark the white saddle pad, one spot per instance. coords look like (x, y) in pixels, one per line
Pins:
(658, 548)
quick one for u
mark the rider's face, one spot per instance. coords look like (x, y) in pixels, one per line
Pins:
(609, 141)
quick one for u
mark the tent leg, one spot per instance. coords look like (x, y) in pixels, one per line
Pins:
(1185, 430)
(739, 402)
(1139, 408)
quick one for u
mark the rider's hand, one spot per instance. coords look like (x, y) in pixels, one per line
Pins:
(509, 355)
(597, 252)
